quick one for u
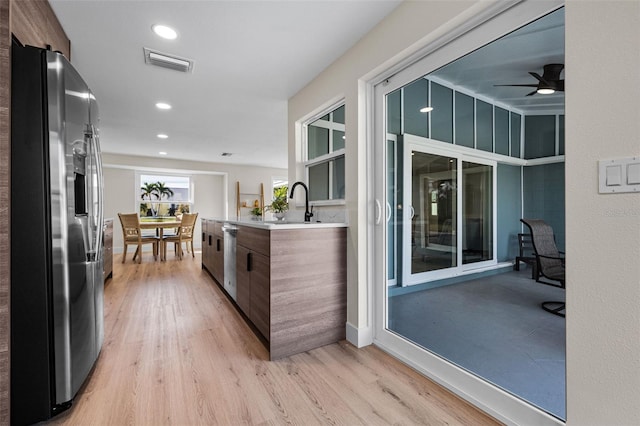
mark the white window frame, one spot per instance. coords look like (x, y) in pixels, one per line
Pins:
(326, 158)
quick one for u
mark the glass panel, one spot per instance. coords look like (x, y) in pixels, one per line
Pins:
(338, 179)
(502, 131)
(394, 112)
(318, 141)
(464, 120)
(477, 212)
(561, 135)
(434, 202)
(390, 215)
(319, 182)
(516, 123)
(442, 114)
(338, 140)
(484, 126)
(539, 136)
(416, 97)
(338, 115)
(164, 195)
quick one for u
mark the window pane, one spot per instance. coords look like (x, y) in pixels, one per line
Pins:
(477, 212)
(515, 134)
(319, 182)
(338, 115)
(393, 112)
(162, 195)
(442, 114)
(416, 97)
(464, 120)
(539, 136)
(338, 140)
(502, 131)
(434, 203)
(338, 179)
(484, 126)
(318, 141)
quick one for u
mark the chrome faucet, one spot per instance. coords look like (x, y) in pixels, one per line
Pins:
(307, 213)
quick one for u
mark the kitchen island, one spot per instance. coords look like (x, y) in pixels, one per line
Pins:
(290, 279)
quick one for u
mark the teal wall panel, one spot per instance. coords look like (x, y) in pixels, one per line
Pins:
(509, 205)
(543, 197)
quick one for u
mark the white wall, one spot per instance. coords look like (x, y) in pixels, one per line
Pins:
(603, 232)
(406, 25)
(209, 185)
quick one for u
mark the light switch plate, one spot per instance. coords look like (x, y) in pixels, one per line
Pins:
(619, 175)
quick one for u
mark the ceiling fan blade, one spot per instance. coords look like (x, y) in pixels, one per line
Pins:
(540, 79)
(532, 93)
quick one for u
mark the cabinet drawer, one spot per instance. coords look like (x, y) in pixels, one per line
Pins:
(257, 240)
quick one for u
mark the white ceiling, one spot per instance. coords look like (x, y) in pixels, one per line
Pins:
(250, 57)
(509, 60)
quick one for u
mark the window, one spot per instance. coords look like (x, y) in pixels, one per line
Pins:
(325, 141)
(164, 195)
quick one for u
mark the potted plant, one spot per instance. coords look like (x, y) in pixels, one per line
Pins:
(279, 206)
(256, 213)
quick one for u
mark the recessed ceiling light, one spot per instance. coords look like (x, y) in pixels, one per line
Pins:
(426, 109)
(165, 32)
(162, 153)
(162, 136)
(163, 105)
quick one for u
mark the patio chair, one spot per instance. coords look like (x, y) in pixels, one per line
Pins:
(550, 264)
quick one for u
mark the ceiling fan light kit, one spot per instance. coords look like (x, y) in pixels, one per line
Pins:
(548, 83)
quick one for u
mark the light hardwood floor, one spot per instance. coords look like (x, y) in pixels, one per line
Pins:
(177, 352)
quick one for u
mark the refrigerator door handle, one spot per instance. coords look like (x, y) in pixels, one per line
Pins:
(97, 194)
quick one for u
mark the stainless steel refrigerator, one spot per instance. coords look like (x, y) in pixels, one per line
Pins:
(56, 234)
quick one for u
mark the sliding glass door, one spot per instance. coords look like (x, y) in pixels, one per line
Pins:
(448, 223)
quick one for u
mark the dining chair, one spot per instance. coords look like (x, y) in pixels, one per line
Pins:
(132, 235)
(183, 235)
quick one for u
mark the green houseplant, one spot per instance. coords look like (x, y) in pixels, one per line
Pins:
(279, 205)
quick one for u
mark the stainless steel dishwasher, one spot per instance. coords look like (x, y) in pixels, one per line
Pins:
(230, 232)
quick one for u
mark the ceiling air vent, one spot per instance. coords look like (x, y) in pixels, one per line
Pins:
(164, 60)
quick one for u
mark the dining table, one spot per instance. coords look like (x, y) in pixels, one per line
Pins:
(159, 226)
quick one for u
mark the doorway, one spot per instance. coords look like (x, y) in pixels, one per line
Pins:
(450, 225)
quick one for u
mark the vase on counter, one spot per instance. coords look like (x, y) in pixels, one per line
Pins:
(279, 215)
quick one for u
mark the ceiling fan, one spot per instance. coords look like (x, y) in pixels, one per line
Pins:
(547, 84)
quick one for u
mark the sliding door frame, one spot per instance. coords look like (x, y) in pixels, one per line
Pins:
(480, 24)
(429, 146)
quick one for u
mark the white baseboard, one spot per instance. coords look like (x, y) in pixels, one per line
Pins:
(359, 337)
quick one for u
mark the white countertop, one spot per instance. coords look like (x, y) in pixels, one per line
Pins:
(275, 225)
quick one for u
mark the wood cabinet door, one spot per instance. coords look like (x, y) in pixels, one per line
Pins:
(260, 292)
(243, 279)
(217, 250)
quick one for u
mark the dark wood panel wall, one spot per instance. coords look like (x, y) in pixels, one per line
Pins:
(34, 23)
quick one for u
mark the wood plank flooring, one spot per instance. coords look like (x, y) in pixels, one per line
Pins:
(177, 352)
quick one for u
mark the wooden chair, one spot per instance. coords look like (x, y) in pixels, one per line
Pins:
(550, 263)
(184, 235)
(132, 235)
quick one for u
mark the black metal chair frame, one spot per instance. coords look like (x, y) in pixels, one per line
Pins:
(526, 255)
(554, 307)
